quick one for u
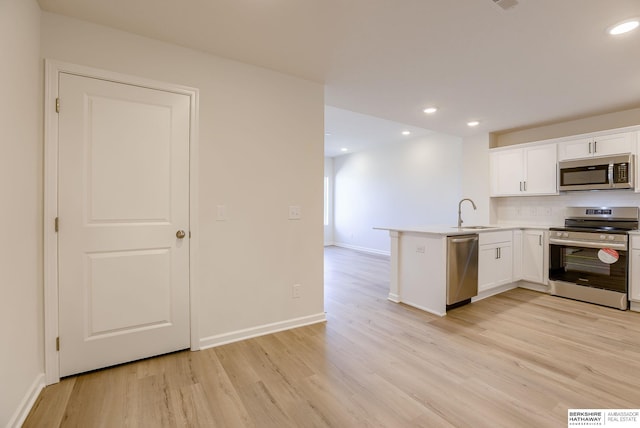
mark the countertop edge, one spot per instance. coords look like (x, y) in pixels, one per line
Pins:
(445, 230)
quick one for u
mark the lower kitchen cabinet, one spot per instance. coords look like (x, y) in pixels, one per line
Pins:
(533, 256)
(634, 273)
(495, 260)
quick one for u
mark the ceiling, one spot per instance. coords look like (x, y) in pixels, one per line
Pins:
(355, 132)
(541, 61)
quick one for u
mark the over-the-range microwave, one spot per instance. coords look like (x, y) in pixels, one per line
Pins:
(598, 173)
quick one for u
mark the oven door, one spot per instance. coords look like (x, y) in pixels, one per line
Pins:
(589, 264)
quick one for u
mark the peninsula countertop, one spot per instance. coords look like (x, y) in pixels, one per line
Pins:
(447, 230)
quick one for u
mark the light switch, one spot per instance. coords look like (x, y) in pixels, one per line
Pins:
(295, 212)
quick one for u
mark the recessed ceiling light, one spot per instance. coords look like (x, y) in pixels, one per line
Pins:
(624, 26)
(406, 132)
(430, 110)
(344, 149)
(473, 123)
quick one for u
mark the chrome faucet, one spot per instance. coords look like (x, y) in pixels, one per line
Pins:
(460, 210)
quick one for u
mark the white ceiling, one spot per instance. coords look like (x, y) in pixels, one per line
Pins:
(541, 61)
(356, 132)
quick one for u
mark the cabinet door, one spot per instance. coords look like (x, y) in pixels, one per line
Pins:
(507, 172)
(487, 256)
(541, 170)
(575, 149)
(504, 265)
(517, 255)
(495, 265)
(634, 282)
(533, 256)
(613, 144)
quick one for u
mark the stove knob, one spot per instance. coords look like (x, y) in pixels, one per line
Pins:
(558, 233)
(603, 236)
(565, 235)
(611, 237)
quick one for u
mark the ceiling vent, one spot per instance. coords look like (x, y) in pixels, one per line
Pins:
(506, 4)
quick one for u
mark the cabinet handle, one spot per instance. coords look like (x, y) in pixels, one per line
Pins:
(525, 186)
(595, 147)
(589, 146)
(540, 240)
(521, 186)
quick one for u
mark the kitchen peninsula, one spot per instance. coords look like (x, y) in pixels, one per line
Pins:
(419, 262)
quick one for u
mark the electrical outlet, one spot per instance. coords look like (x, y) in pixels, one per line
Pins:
(221, 214)
(295, 291)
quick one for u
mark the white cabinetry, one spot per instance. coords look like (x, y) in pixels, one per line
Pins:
(517, 255)
(634, 273)
(533, 256)
(524, 171)
(602, 145)
(495, 260)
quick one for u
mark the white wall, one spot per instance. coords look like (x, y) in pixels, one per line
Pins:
(475, 179)
(328, 228)
(21, 313)
(261, 150)
(416, 182)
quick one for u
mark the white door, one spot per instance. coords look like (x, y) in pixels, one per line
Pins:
(575, 149)
(487, 264)
(507, 172)
(541, 170)
(533, 256)
(613, 144)
(123, 196)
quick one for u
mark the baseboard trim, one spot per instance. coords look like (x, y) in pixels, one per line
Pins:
(533, 286)
(423, 308)
(27, 402)
(248, 333)
(363, 249)
(395, 298)
(493, 291)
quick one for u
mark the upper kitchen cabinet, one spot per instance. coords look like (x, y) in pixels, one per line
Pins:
(602, 145)
(526, 171)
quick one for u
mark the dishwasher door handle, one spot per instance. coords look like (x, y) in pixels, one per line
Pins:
(459, 240)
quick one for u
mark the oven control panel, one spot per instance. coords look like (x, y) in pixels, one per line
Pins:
(589, 239)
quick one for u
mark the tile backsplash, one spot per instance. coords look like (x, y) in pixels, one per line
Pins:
(550, 210)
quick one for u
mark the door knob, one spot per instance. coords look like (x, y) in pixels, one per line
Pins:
(180, 234)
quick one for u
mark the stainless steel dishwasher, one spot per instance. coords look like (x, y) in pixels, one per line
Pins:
(462, 269)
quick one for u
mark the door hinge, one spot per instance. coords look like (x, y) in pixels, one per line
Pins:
(57, 105)
(189, 234)
(58, 343)
(56, 224)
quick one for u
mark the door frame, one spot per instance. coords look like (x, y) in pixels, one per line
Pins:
(53, 69)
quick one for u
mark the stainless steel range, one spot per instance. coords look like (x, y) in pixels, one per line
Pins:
(588, 257)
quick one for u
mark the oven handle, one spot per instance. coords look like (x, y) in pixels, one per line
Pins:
(615, 246)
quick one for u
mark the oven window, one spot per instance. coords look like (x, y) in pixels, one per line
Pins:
(584, 266)
(584, 175)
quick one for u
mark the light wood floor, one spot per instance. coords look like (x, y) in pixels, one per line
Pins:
(515, 360)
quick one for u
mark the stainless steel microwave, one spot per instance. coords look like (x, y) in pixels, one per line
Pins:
(599, 173)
